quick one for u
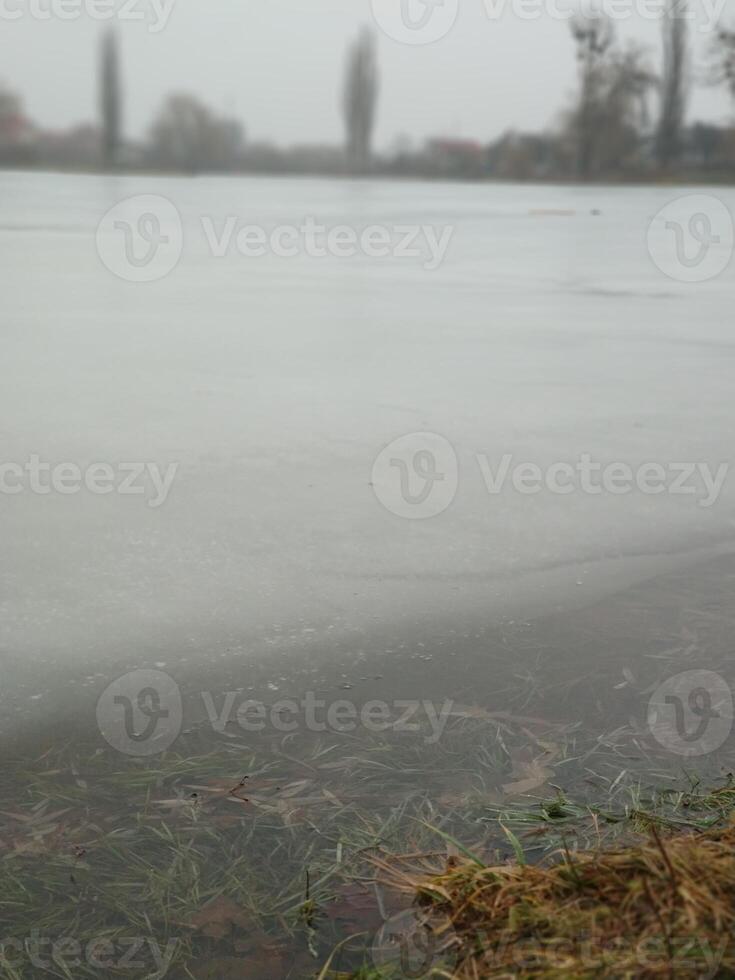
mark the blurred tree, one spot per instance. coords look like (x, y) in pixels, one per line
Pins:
(110, 99)
(593, 36)
(673, 83)
(626, 115)
(360, 100)
(611, 115)
(187, 135)
(723, 60)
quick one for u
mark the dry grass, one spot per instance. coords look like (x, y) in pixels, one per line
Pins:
(662, 908)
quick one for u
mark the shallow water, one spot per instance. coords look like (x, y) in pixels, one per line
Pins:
(246, 849)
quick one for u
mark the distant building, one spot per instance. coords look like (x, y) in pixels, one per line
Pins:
(80, 146)
(17, 134)
(15, 130)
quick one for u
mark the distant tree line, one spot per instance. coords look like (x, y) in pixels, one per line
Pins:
(626, 121)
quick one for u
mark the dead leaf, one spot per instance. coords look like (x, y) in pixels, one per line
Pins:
(220, 917)
(355, 907)
(529, 773)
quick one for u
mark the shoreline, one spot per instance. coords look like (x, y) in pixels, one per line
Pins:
(414, 656)
(684, 179)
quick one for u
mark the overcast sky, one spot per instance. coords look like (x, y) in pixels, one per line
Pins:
(277, 64)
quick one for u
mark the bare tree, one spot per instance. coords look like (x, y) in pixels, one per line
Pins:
(612, 108)
(673, 83)
(593, 36)
(187, 135)
(626, 116)
(723, 60)
(110, 99)
(360, 100)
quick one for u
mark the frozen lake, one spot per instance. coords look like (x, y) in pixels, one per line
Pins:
(546, 332)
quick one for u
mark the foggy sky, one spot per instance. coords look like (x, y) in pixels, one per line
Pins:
(277, 65)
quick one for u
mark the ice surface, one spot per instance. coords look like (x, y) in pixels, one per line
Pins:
(274, 383)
